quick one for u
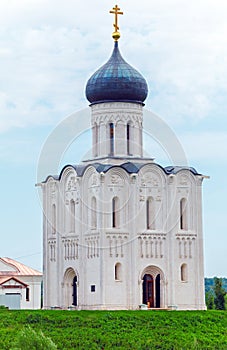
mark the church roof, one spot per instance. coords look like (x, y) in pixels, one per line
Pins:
(116, 81)
(176, 169)
(18, 269)
(129, 167)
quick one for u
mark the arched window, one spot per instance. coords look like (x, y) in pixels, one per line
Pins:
(183, 214)
(150, 214)
(118, 272)
(111, 139)
(115, 212)
(72, 215)
(128, 139)
(53, 219)
(93, 213)
(183, 273)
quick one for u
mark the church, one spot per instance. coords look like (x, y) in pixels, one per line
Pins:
(119, 230)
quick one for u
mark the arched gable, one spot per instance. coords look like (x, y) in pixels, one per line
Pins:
(152, 175)
(185, 178)
(67, 172)
(117, 176)
(90, 177)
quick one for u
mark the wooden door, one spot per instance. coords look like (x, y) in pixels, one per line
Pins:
(148, 290)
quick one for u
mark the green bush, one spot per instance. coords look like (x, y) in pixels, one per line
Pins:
(3, 307)
(28, 339)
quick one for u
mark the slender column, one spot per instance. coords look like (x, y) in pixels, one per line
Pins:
(120, 140)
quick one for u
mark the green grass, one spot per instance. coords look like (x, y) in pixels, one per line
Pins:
(120, 329)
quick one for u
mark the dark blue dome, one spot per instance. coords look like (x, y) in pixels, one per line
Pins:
(116, 81)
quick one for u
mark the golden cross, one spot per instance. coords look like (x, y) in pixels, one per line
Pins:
(116, 11)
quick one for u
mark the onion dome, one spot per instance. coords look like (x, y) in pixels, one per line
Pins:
(116, 81)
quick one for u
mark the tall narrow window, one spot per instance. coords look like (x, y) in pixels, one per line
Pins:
(117, 272)
(93, 213)
(27, 294)
(183, 214)
(150, 214)
(115, 212)
(72, 216)
(183, 273)
(53, 219)
(128, 139)
(111, 139)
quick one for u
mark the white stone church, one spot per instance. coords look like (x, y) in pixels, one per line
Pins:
(119, 229)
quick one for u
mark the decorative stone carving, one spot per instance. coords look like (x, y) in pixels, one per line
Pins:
(117, 243)
(72, 190)
(71, 184)
(116, 180)
(185, 245)
(151, 246)
(52, 250)
(184, 180)
(70, 248)
(94, 180)
(149, 180)
(92, 244)
(123, 112)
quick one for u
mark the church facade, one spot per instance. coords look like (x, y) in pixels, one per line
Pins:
(120, 230)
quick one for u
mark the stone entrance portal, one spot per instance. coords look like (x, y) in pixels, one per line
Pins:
(70, 288)
(152, 287)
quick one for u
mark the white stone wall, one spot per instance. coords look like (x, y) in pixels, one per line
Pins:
(92, 252)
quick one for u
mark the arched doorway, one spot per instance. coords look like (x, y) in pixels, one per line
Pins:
(70, 288)
(152, 287)
(148, 290)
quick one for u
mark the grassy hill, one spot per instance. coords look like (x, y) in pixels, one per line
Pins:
(140, 330)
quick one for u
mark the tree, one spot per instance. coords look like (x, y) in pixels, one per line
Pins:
(219, 294)
(210, 300)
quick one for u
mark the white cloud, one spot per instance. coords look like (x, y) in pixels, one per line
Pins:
(50, 48)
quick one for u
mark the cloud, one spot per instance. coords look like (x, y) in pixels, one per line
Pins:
(49, 49)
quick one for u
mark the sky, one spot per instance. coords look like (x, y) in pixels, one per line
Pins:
(48, 51)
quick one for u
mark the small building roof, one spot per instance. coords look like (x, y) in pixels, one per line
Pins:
(19, 269)
(5, 279)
